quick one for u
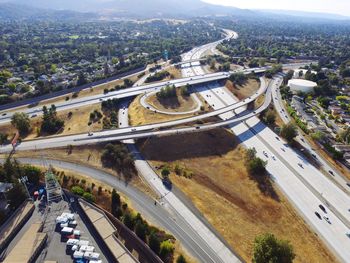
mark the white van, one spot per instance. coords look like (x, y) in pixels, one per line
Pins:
(86, 249)
(95, 261)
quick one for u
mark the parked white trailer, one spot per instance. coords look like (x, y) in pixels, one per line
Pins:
(67, 231)
(78, 254)
(86, 249)
(91, 255)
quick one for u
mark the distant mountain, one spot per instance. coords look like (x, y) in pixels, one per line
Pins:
(110, 9)
(11, 11)
(315, 15)
(140, 8)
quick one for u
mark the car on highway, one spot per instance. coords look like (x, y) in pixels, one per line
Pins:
(314, 155)
(318, 215)
(331, 172)
(277, 138)
(33, 116)
(265, 153)
(301, 166)
(4, 114)
(323, 208)
(198, 127)
(347, 234)
(283, 149)
(327, 219)
(90, 134)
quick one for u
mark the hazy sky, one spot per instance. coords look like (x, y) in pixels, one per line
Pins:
(326, 6)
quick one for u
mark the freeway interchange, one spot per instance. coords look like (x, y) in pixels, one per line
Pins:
(305, 186)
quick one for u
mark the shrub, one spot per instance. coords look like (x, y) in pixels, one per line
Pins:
(77, 190)
(89, 196)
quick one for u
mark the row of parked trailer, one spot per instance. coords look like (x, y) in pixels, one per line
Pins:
(81, 250)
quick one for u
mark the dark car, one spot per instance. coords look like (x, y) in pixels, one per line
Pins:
(167, 183)
(318, 215)
(323, 208)
(331, 172)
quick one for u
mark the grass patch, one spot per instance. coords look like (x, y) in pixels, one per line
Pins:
(228, 197)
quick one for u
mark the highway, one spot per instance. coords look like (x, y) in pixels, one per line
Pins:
(304, 185)
(160, 215)
(336, 176)
(210, 247)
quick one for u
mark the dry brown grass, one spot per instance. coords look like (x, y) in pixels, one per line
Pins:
(178, 104)
(138, 115)
(232, 202)
(77, 123)
(175, 72)
(244, 91)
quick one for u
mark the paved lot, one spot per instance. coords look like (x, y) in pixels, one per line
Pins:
(56, 249)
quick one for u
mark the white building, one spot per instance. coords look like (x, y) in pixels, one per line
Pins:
(302, 85)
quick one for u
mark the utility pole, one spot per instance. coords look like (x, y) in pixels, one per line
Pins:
(24, 180)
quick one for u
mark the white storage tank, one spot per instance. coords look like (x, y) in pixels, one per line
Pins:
(302, 85)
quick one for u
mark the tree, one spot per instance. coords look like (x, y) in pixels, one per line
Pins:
(165, 172)
(254, 164)
(267, 248)
(89, 196)
(51, 123)
(115, 204)
(16, 195)
(21, 122)
(141, 229)
(289, 132)
(181, 259)
(166, 250)
(3, 138)
(77, 190)
(270, 118)
(81, 79)
(154, 243)
(33, 173)
(128, 221)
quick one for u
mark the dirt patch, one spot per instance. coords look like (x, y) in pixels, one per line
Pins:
(222, 190)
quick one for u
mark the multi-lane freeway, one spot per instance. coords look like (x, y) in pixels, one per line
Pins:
(302, 183)
(305, 186)
(336, 176)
